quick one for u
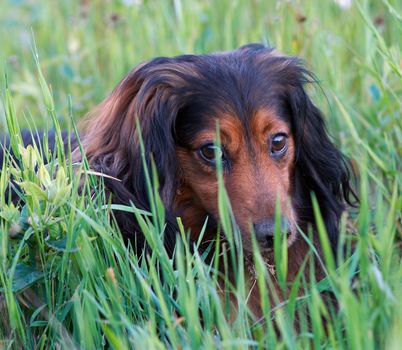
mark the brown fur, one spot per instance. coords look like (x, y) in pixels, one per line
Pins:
(253, 184)
(253, 93)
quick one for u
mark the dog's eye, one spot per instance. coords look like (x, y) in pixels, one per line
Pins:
(279, 144)
(207, 153)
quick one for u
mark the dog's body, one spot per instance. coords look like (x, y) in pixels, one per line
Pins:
(274, 146)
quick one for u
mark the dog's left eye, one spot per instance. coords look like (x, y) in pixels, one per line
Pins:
(207, 153)
(279, 144)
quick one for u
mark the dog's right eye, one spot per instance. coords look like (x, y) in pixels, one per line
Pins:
(207, 153)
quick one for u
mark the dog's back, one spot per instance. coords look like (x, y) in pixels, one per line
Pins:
(32, 138)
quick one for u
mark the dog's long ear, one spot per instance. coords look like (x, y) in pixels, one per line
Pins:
(150, 95)
(320, 167)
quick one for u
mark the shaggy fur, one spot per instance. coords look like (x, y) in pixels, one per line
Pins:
(258, 98)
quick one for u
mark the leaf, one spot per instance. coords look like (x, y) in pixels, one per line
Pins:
(24, 216)
(32, 189)
(61, 245)
(25, 276)
(9, 213)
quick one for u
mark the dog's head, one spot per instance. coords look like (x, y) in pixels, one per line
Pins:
(274, 147)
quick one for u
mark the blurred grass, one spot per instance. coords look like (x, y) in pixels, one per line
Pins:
(90, 291)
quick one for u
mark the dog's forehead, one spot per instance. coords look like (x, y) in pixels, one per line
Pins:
(234, 129)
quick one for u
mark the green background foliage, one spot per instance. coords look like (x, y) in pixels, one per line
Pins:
(68, 279)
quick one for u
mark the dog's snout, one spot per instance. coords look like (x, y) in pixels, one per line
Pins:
(265, 230)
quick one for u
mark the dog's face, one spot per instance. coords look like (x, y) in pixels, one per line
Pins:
(258, 168)
(274, 145)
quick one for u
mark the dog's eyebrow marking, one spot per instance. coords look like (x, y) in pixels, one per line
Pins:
(265, 121)
(231, 132)
(261, 125)
(231, 129)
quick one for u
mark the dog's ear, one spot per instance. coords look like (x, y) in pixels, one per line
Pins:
(148, 96)
(320, 167)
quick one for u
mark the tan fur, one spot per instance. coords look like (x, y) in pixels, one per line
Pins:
(253, 184)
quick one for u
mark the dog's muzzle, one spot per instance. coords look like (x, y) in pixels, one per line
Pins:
(265, 231)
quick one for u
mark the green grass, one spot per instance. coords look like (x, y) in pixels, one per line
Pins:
(67, 279)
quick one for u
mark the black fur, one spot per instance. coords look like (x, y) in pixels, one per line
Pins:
(171, 98)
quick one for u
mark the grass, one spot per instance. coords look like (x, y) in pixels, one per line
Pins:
(68, 280)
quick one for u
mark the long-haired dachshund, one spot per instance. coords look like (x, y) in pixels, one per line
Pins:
(274, 145)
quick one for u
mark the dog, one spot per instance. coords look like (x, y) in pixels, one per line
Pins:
(274, 147)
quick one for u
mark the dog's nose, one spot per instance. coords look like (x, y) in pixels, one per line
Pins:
(265, 229)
